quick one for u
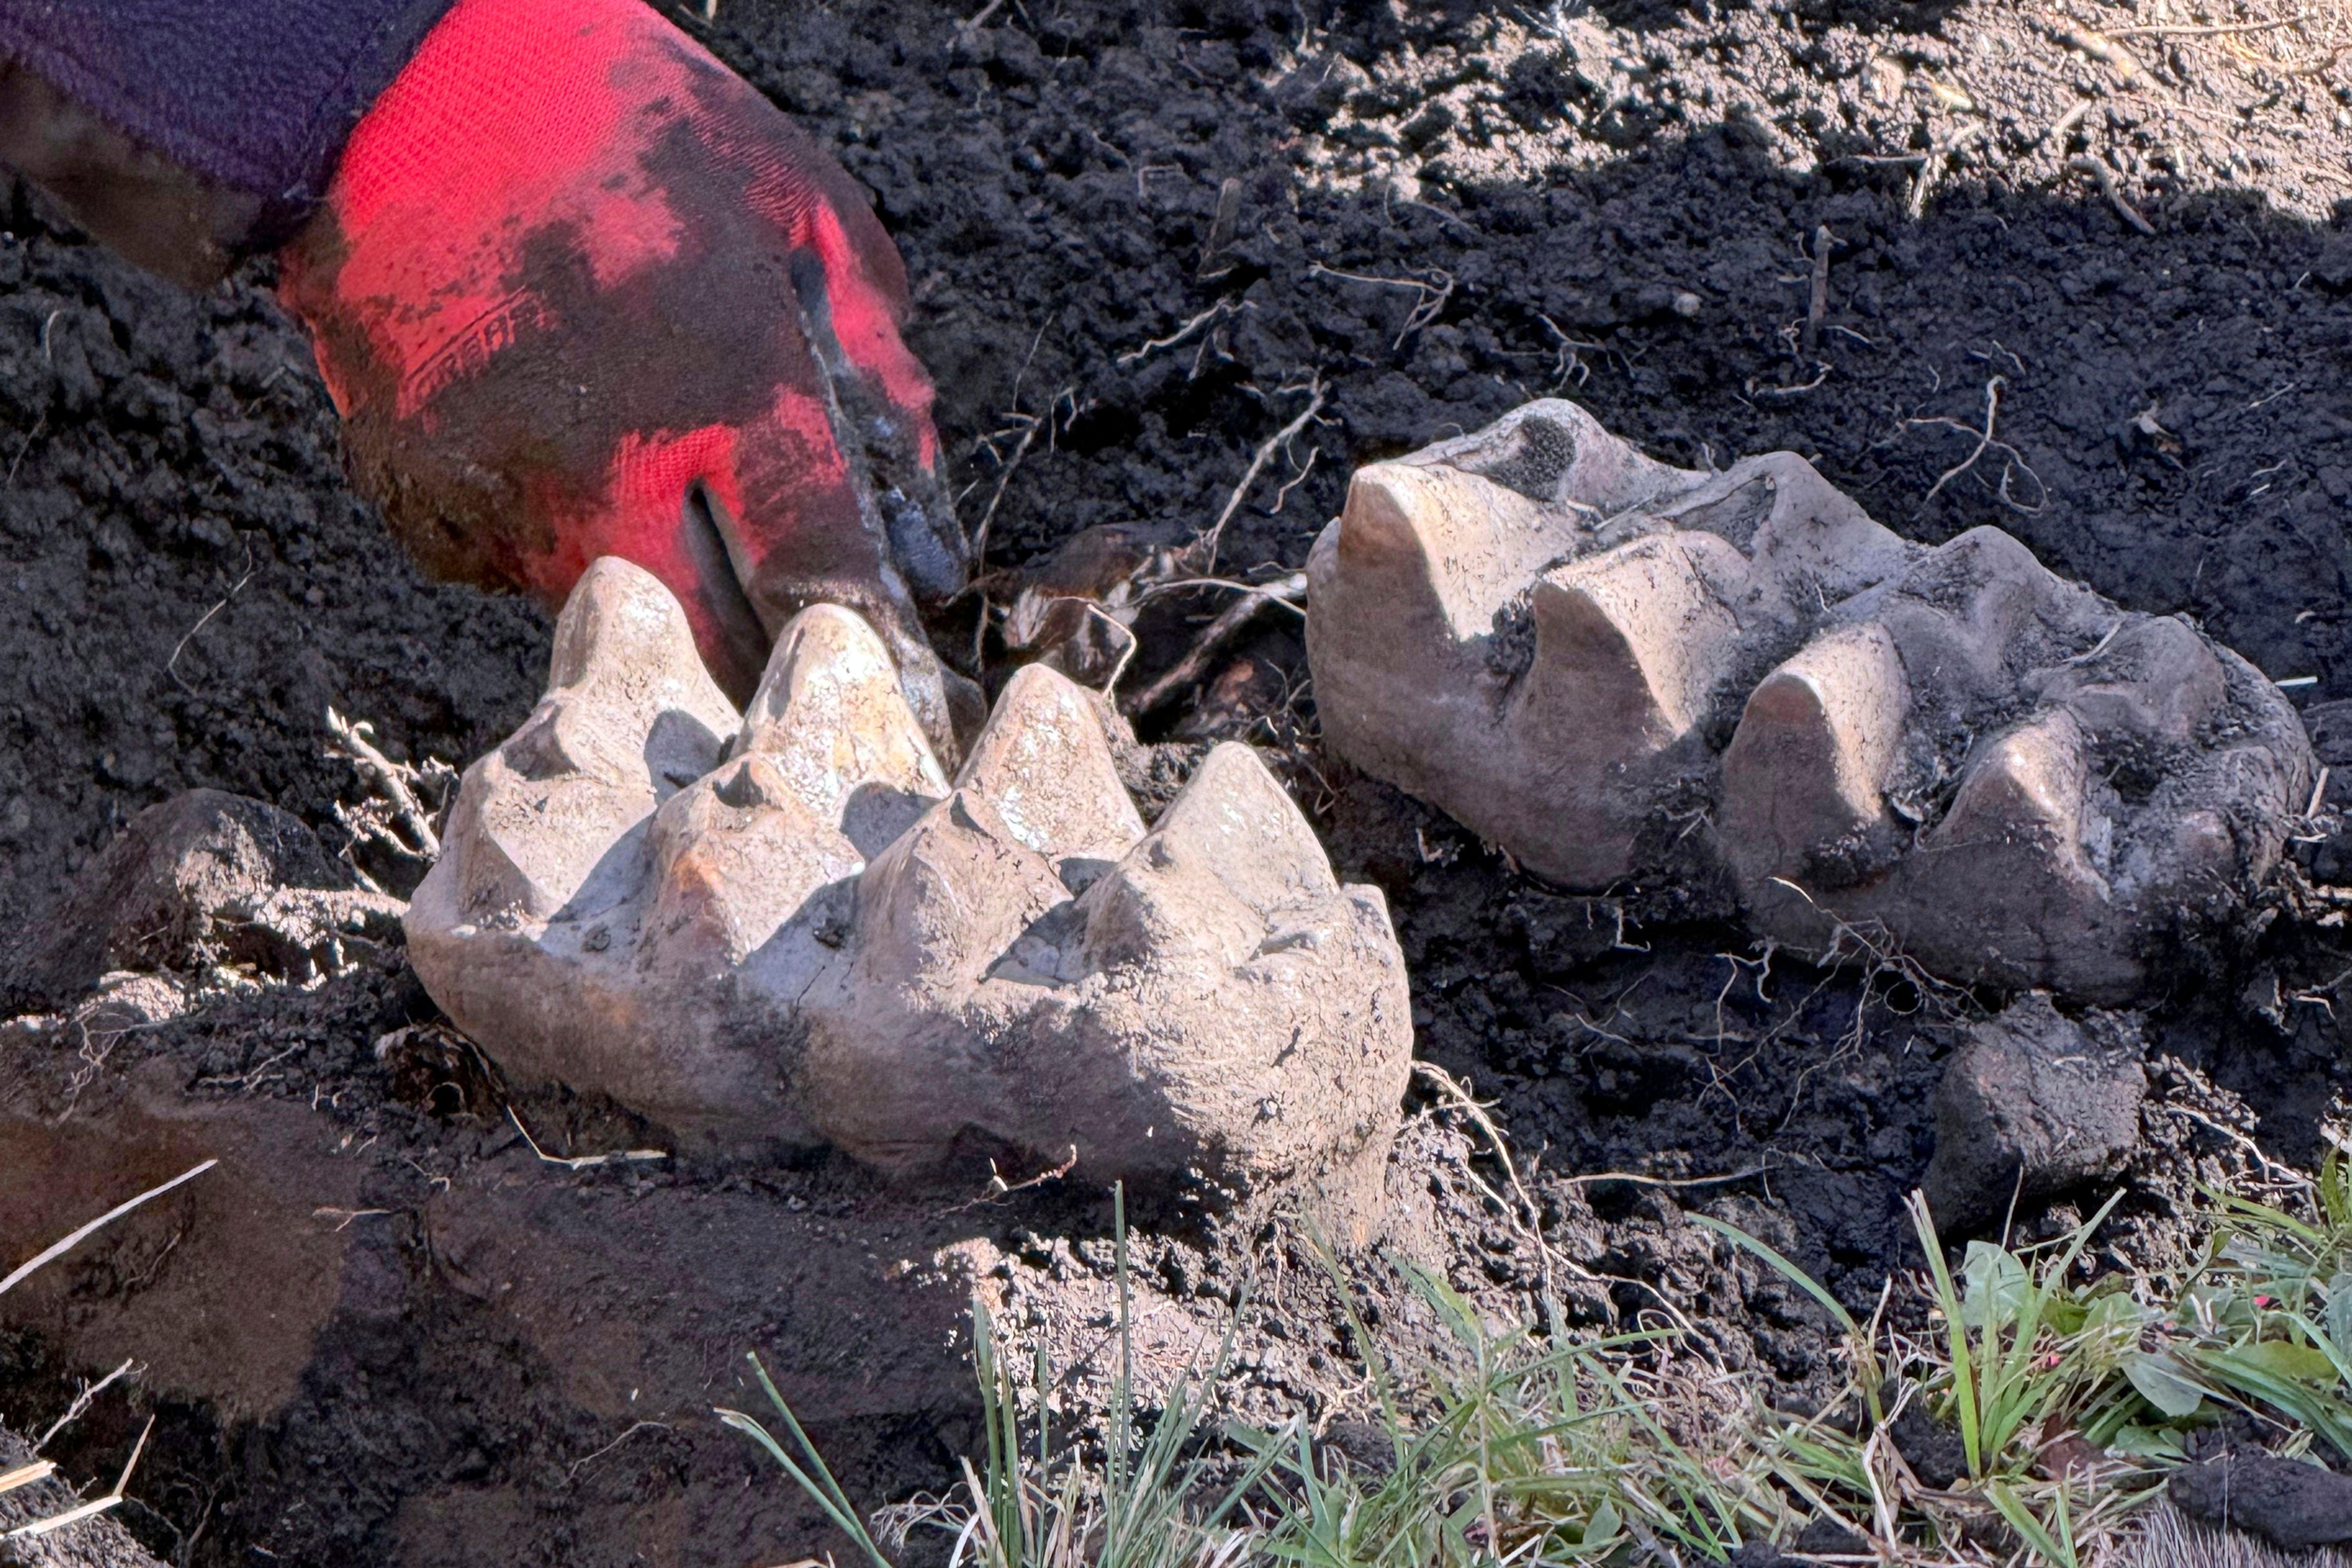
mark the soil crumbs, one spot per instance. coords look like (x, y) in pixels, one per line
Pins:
(1143, 238)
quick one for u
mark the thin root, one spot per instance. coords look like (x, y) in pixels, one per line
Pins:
(2105, 180)
(2013, 460)
(1202, 552)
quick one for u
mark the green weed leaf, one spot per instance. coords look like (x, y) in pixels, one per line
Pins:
(2164, 1383)
(2280, 1359)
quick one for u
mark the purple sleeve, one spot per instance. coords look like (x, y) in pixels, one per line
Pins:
(252, 96)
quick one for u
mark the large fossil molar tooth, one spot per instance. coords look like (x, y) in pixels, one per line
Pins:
(1616, 669)
(790, 926)
(1540, 630)
(2039, 784)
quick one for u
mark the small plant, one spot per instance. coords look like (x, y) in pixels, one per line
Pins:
(2264, 1322)
(1146, 1504)
(1563, 1453)
(2071, 1396)
(2020, 1343)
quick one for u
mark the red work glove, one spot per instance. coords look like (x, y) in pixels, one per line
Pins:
(579, 290)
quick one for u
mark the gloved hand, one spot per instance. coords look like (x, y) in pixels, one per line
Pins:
(579, 290)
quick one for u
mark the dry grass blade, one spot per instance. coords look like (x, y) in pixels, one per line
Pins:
(2203, 30)
(1202, 552)
(95, 1506)
(57, 1249)
(584, 1161)
(26, 1475)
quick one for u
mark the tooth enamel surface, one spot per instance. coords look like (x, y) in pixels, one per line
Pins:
(2074, 748)
(1621, 672)
(831, 716)
(1045, 764)
(791, 928)
(1536, 628)
(1804, 777)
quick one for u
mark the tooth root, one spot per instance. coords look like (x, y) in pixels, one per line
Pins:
(629, 713)
(1045, 765)
(1628, 645)
(1802, 777)
(831, 716)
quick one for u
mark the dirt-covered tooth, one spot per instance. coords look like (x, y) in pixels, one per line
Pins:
(818, 939)
(736, 857)
(629, 716)
(1804, 774)
(2025, 791)
(1453, 543)
(1542, 632)
(1262, 1003)
(1631, 640)
(2005, 885)
(1548, 637)
(830, 713)
(1230, 849)
(1558, 456)
(941, 905)
(902, 1056)
(1628, 645)
(1407, 584)
(1046, 764)
(2154, 681)
(1980, 613)
(2106, 773)
(1233, 825)
(524, 931)
(829, 766)
(1216, 1004)
(1808, 542)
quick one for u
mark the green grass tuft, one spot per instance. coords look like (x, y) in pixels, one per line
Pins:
(2071, 1395)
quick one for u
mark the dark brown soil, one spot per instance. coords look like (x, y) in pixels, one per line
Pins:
(1442, 210)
